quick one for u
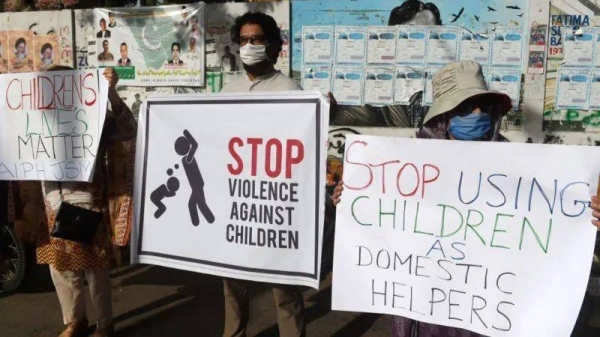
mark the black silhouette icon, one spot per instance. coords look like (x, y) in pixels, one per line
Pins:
(186, 146)
(166, 190)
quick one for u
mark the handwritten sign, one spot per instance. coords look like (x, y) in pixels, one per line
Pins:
(241, 200)
(491, 237)
(50, 124)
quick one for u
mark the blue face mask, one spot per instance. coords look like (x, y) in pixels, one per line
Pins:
(470, 127)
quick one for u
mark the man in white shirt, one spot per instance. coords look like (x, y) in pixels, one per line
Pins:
(260, 42)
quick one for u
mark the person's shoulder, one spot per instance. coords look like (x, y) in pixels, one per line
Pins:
(285, 83)
(235, 85)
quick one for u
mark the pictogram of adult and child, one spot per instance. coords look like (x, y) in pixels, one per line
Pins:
(186, 147)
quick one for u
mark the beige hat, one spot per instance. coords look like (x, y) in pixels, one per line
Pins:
(458, 81)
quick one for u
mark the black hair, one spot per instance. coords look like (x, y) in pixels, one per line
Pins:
(19, 41)
(123, 44)
(104, 41)
(44, 47)
(269, 27)
(195, 17)
(102, 20)
(409, 9)
(176, 44)
(111, 13)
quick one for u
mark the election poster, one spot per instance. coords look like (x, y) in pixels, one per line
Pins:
(499, 242)
(152, 46)
(242, 200)
(50, 124)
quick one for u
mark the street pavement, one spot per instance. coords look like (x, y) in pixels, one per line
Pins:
(153, 301)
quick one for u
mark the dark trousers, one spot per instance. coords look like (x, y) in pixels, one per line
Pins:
(288, 299)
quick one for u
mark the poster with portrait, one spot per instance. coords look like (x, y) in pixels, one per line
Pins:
(152, 46)
(20, 58)
(4, 51)
(85, 39)
(40, 25)
(45, 52)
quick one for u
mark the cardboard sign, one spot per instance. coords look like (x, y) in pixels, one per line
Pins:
(50, 124)
(490, 237)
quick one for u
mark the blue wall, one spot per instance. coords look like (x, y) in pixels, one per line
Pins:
(376, 13)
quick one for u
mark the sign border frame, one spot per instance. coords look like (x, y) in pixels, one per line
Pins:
(245, 100)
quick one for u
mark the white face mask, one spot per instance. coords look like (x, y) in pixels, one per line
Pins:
(253, 54)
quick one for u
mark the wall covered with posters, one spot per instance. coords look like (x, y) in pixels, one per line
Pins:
(573, 49)
(74, 41)
(477, 28)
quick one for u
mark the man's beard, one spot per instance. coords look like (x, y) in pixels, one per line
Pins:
(259, 68)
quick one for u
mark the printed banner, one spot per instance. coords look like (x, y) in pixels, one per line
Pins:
(152, 46)
(498, 242)
(241, 200)
(50, 124)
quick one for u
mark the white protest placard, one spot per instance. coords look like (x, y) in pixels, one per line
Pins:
(50, 124)
(242, 200)
(490, 237)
